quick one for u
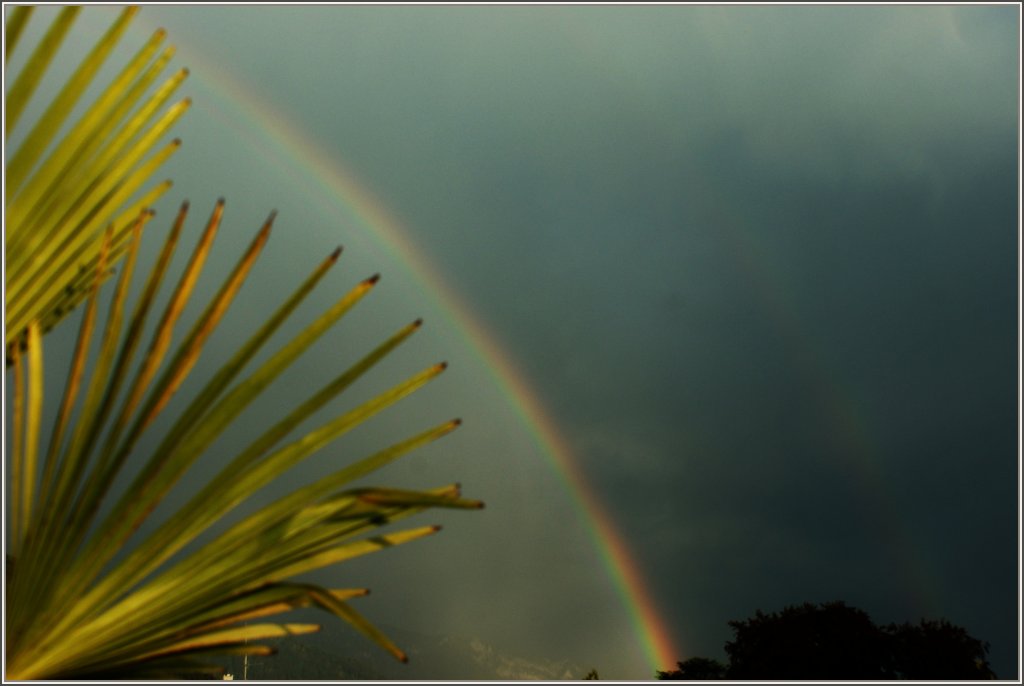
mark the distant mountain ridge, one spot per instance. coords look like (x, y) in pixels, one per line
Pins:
(338, 653)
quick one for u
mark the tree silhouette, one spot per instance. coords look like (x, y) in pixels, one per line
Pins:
(808, 642)
(696, 669)
(937, 650)
(835, 641)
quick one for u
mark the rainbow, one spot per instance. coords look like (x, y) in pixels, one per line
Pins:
(290, 143)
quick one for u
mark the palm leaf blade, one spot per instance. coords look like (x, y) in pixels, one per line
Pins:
(75, 150)
(45, 129)
(14, 27)
(345, 611)
(22, 89)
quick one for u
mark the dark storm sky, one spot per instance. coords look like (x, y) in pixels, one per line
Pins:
(759, 264)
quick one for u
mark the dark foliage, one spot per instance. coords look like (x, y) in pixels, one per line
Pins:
(696, 669)
(808, 642)
(937, 650)
(835, 641)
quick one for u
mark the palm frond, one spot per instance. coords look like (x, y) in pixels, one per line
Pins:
(85, 597)
(61, 195)
(74, 609)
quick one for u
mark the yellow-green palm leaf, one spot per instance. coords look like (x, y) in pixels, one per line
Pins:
(85, 597)
(62, 194)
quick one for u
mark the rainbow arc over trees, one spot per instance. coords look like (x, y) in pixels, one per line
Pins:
(288, 142)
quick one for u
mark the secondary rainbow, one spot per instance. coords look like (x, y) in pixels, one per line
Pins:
(849, 420)
(342, 187)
